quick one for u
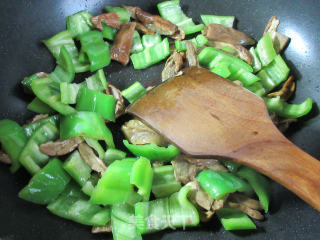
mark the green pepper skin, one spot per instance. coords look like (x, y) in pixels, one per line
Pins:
(47, 184)
(218, 184)
(85, 124)
(79, 23)
(95, 101)
(234, 219)
(30, 128)
(31, 157)
(153, 152)
(13, 139)
(75, 206)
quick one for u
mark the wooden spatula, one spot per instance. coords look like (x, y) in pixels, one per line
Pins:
(208, 116)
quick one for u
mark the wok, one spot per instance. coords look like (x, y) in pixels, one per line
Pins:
(24, 23)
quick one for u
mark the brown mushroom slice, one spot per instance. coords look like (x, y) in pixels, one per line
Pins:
(218, 204)
(4, 158)
(116, 93)
(243, 199)
(131, 10)
(191, 55)
(102, 229)
(173, 66)
(243, 208)
(142, 28)
(138, 133)
(221, 33)
(156, 23)
(110, 19)
(282, 123)
(60, 147)
(120, 50)
(286, 91)
(91, 159)
(279, 40)
(179, 35)
(186, 171)
(239, 50)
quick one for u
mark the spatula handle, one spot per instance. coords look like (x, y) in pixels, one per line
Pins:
(287, 164)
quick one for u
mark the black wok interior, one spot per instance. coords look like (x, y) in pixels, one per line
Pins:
(24, 23)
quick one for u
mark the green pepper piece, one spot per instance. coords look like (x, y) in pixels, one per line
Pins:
(13, 139)
(133, 92)
(79, 23)
(89, 186)
(97, 50)
(218, 184)
(152, 216)
(148, 40)
(199, 41)
(286, 110)
(259, 183)
(181, 211)
(142, 176)
(124, 212)
(97, 81)
(30, 128)
(234, 219)
(136, 43)
(265, 50)
(26, 82)
(257, 89)
(113, 154)
(210, 57)
(256, 64)
(247, 78)
(75, 206)
(93, 143)
(36, 105)
(153, 151)
(123, 14)
(108, 32)
(77, 168)
(122, 230)
(232, 166)
(171, 11)
(222, 70)
(43, 89)
(152, 55)
(226, 21)
(31, 157)
(95, 101)
(164, 182)
(114, 187)
(47, 184)
(69, 92)
(85, 124)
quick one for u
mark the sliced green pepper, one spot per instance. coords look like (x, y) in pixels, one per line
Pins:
(142, 176)
(234, 219)
(114, 187)
(36, 105)
(31, 157)
(45, 91)
(30, 128)
(171, 11)
(122, 230)
(265, 50)
(218, 184)
(26, 82)
(89, 186)
(85, 124)
(113, 154)
(97, 50)
(108, 32)
(257, 89)
(77, 168)
(124, 212)
(256, 64)
(259, 183)
(148, 40)
(286, 110)
(164, 182)
(79, 23)
(75, 206)
(93, 143)
(153, 151)
(97, 81)
(152, 55)
(13, 139)
(95, 101)
(69, 92)
(133, 92)
(226, 21)
(136, 43)
(47, 184)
